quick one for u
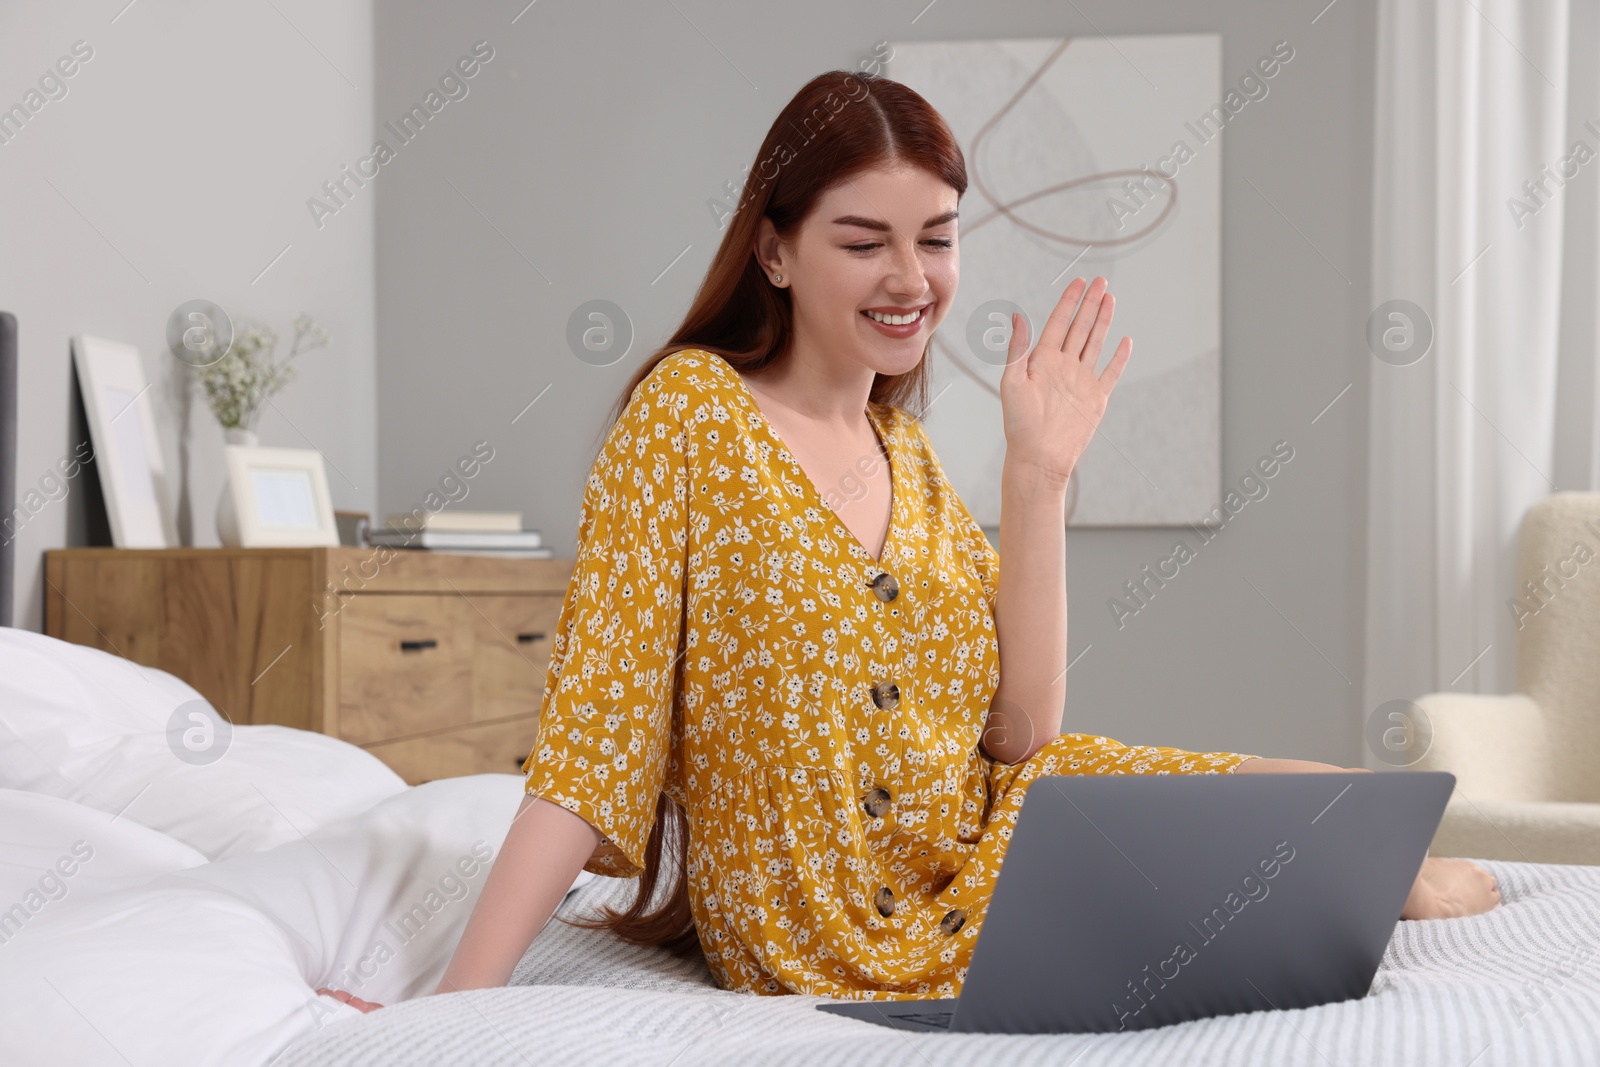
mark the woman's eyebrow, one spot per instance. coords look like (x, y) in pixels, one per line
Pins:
(883, 227)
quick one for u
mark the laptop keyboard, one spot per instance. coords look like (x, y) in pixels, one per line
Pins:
(934, 1020)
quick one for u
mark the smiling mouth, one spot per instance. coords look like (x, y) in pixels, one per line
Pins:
(906, 319)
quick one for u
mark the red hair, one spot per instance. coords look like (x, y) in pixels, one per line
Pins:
(838, 125)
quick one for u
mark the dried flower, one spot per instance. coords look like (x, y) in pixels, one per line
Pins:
(239, 384)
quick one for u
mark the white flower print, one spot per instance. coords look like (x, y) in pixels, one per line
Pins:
(699, 534)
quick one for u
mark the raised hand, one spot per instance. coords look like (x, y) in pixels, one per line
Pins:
(1051, 399)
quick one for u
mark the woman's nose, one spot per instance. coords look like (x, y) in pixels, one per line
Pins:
(906, 274)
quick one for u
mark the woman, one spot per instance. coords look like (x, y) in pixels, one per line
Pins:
(777, 691)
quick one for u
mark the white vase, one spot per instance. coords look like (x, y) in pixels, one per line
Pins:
(227, 514)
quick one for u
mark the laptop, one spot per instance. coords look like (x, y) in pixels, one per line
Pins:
(1128, 902)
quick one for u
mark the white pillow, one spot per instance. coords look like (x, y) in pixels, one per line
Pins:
(219, 963)
(53, 850)
(84, 725)
(177, 974)
(376, 903)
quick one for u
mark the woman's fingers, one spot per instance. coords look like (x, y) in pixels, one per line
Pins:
(1016, 354)
(1097, 335)
(1055, 327)
(1119, 359)
(354, 1001)
(1075, 329)
(1084, 321)
(1017, 349)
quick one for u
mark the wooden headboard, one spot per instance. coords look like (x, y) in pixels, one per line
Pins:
(8, 462)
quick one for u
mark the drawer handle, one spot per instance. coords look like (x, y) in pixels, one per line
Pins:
(528, 639)
(418, 646)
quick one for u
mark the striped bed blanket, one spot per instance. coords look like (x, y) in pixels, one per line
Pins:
(1520, 985)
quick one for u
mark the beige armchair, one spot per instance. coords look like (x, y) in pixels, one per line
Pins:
(1527, 766)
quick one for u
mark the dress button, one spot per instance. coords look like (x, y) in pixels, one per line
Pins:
(876, 803)
(886, 695)
(885, 901)
(953, 921)
(885, 588)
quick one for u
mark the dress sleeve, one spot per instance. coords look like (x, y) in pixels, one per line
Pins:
(605, 723)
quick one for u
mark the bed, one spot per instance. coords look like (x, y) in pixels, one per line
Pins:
(157, 908)
(8, 462)
(1519, 987)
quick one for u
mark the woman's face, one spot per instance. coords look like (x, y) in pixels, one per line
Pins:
(884, 241)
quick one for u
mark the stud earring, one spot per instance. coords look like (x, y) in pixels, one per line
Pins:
(777, 278)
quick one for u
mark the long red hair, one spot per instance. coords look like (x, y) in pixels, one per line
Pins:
(838, 125)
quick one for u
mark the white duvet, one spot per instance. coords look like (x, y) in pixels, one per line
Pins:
(156, 910)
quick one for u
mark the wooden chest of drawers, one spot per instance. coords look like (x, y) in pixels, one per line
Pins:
(434, 663)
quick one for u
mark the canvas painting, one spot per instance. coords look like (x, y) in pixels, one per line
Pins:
(1085, 156)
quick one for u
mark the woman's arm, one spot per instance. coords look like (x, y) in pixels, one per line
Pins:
(544, 850)
(1052, 400)
(1030, 615)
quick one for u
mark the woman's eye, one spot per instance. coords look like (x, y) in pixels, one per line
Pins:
(937, 242)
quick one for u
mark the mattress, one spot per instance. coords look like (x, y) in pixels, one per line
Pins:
(1519, 985)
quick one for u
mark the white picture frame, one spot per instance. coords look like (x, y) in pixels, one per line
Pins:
(127, 448)
(280, 497)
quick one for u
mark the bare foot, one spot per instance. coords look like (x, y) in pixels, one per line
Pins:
(1444, 889)
(1450, 889)
(353, 1001)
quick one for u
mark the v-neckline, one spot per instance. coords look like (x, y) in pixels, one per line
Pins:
(885, 439)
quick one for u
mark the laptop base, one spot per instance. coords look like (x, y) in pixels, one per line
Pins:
(921, 1015)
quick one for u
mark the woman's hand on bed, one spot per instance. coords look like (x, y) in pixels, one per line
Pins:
(354, 1002)
(1450, 889)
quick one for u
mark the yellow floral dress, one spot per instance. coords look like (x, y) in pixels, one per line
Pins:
(815, 711)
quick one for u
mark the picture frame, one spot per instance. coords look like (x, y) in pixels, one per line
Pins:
(280, 497)
(127, 446)
(354, 526)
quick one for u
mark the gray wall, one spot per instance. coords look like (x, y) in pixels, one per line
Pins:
(579, 166)
(182, 156)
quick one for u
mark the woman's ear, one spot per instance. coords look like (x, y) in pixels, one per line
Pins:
(769, 250)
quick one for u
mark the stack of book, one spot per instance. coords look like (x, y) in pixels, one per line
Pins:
(473, 533)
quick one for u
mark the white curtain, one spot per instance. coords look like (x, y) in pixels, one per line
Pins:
(1487, 219)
